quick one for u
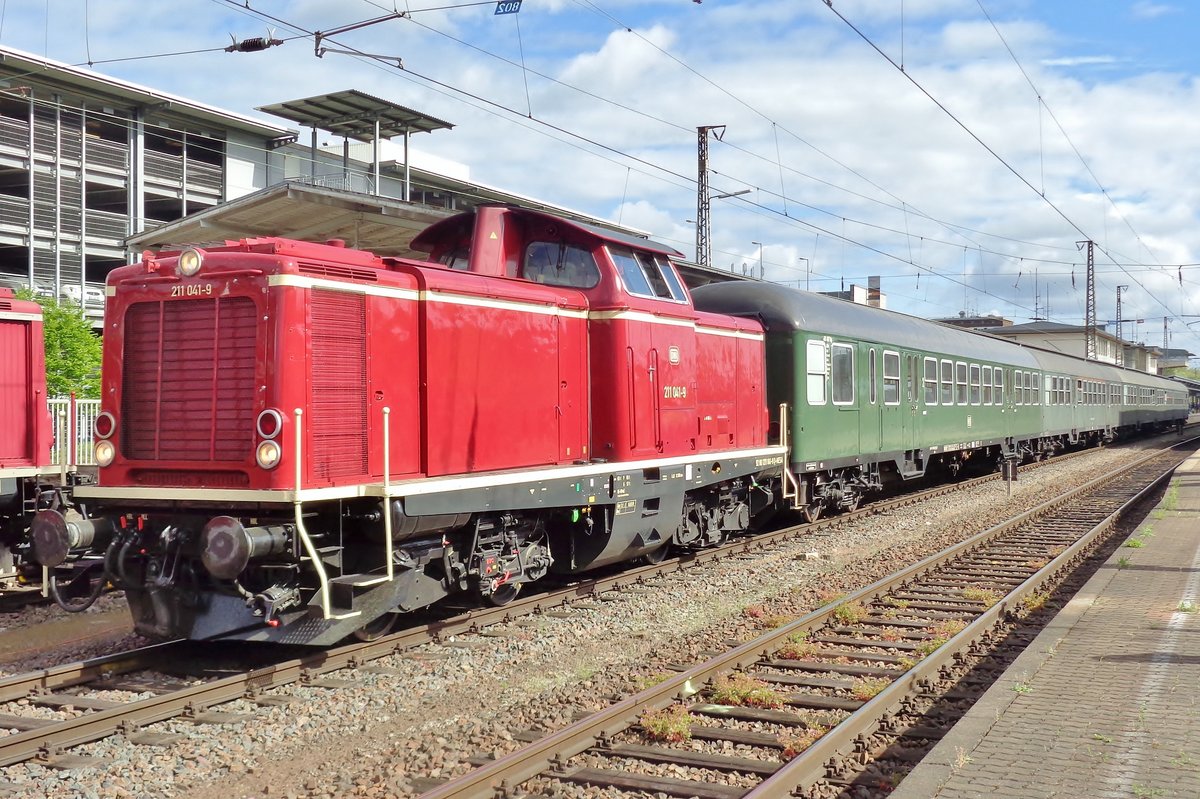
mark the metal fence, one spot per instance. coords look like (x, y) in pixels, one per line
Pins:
(73, 419)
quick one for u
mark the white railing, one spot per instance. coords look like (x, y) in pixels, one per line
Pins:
(72, 420)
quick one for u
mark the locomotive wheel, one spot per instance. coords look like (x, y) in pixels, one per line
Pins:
(376, 629)
(504, 594)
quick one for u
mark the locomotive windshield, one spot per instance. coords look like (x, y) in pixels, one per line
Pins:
(560, 264)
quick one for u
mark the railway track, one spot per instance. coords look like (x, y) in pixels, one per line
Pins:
(811, 699)
(124, 693)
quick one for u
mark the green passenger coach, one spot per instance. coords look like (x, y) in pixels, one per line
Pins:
(870, 398)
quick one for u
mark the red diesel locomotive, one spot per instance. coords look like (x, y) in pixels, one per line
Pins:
(25, 426)
(299, 441)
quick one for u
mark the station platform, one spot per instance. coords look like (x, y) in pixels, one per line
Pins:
(1106, 700)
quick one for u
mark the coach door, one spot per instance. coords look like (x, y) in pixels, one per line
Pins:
(912, 389)
(895, 424)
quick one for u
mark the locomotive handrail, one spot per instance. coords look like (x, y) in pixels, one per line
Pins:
(387, 491)
(300, 528)
(791, 486)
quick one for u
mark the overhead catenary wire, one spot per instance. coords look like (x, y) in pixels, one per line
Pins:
(988, 148)
(684, 180)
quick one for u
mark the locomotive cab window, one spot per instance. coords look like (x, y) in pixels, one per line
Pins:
(841, 374)
(631, 273)
(459, 258)
(891, 378)
(647, 276)
(559, 264)
(674, 284)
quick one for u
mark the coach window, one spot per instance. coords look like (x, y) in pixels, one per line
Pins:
(1028, 388)
(960, 381)
(872, 376)
(841, 374)
(998, 396)
(891, 378)
(911, 383)
(931, 389)
(1035, 397)
(1017, 382)
(974, 384)
(987, 385)
(816, 372)
(947, 383)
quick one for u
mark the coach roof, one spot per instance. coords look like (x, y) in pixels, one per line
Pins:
(785, 309)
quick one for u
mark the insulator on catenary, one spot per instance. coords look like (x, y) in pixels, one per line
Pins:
(254, 45)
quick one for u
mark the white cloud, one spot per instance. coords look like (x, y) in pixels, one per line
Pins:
(1145, 9)
(794, 72)
(1079, 61)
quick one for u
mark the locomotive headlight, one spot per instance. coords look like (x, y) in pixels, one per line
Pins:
(269, 423)
(105, 452)
(267, 454)
(190, 261)
(105, 425)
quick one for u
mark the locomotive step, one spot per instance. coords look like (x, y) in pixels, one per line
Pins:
(343, 590)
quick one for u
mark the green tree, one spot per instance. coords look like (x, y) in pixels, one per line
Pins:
(72, 350)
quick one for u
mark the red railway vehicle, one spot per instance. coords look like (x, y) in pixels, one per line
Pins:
(297, 441)
(25, 427)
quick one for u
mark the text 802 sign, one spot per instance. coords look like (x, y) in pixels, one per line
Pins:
(508, 7)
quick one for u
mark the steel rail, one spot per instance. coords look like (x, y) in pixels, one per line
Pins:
(818, 760)
(504, 774)
(100, 724)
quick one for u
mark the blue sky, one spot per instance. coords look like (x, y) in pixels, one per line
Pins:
(853, 169)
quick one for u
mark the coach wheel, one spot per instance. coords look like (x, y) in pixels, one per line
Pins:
(811, 511)
(852, 501)
(377, 628)
(656, 556)
(504, 594)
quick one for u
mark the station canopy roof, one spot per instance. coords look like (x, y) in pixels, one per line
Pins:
(384, 225)
(353, 114)
(299, 211)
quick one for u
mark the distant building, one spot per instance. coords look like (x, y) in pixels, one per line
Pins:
(1072, 340)
(86, 160)
(1173, 358)
(860, 295)
(975, 322)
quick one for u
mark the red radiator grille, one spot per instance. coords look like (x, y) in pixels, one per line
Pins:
(188, 390)
(339, 271)
(339, 384)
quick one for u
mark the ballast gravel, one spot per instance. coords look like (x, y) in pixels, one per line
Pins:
(388, 735)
